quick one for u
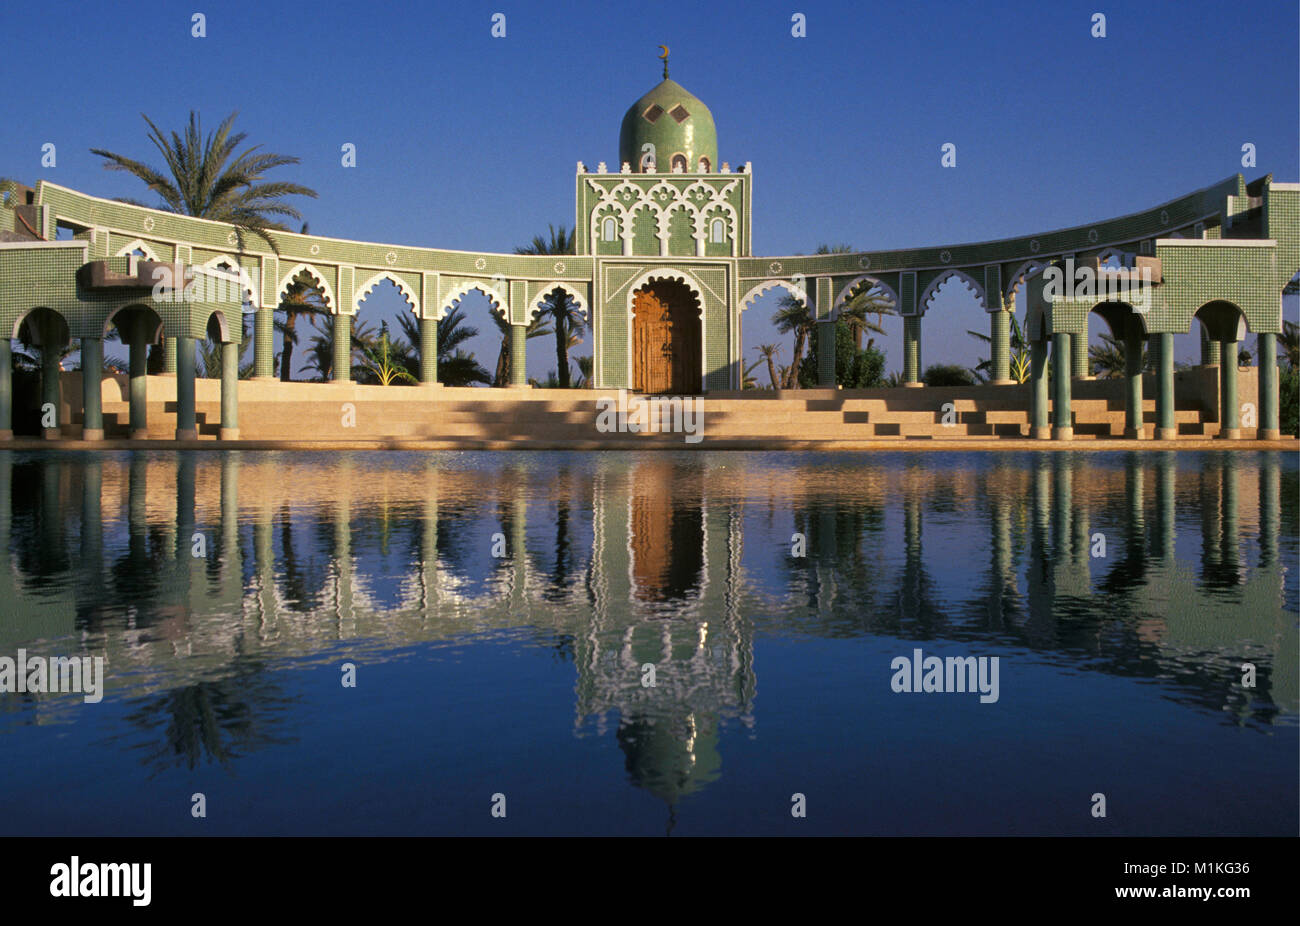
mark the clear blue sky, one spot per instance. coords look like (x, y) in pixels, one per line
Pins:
(468, 141)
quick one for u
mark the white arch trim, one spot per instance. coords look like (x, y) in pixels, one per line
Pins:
(245, 278)
(793, 288)
(853, 284)
(924, 302)
(668, 273)
(551, 287)
(364, 290)
(665, 273)
(317, 277)
(1027, 269)
(149, 253)
(499, 302)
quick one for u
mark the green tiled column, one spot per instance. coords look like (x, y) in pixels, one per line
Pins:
(518, 355)
(1080, 368)
(1166, 429)
(429, 351)
(1133, 378)
(1000, 343)
(230, 391)
(6, 389)
(912, 350)
(185, 425)
(1062, 419)
(1268, 397)
(50, 379)
(826, 355)
(1039, 426)
(92, 368)
(342, 348)
(169, 356)
(139, 363)
(264, 344)
(1229, 411)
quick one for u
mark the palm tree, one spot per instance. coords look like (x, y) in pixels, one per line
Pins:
(1109, 358)
(769, 352)
(1288, 344)
(585, 366)
(302, 298)
(386, 362)
(793, 317)
(209, 181)
(209, 366)
(867, 300)
(558, 306)
(747, 380)
(537, 328)
(456, 367)
(1019, 354)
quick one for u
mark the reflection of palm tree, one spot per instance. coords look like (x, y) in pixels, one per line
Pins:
(221, 719)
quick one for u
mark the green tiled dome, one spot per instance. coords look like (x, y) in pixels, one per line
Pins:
(676, 122)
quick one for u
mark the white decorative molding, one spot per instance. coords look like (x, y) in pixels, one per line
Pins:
(854, 284)
(149, 253)
(244, 277)
(797, 291)
(923, 303)
(318, 277)
(499, 302)
(1027, 269)
(578, 298)
(365, 289)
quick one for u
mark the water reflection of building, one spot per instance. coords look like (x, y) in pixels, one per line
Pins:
(619, 562)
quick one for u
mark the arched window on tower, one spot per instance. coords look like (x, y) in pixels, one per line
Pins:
(610, 231)
(718, 233)
(705, 166)
(679, 163)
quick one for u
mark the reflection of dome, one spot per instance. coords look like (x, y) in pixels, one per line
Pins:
(677, 123)
(670, 756)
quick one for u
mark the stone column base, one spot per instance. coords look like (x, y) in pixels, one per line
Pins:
(6, 434)
(1003, 382)
(92, 433)
(1089, 376)
(230, 433)
(1063, 433)
(139, 434)
(1040, 433)
(914, 385)
(433, 385)
(188, 434)
(1230, 434)
(1135, 433)
(1262, 434)
(1166, 434)
(51, 434)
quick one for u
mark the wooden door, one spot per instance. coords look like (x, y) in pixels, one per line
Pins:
(652, 343)
(665, 339)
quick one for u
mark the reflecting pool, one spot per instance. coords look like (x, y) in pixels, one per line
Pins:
(665, 642)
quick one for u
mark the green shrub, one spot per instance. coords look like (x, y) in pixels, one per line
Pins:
(854, 369)
(949, 374)
(1288, 386)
